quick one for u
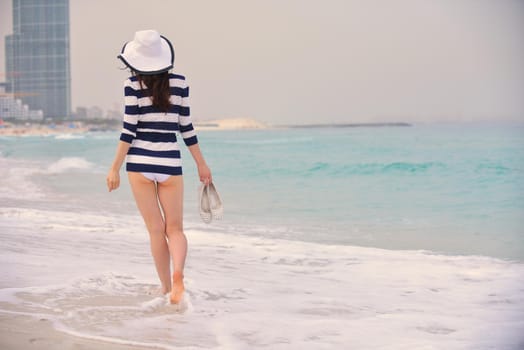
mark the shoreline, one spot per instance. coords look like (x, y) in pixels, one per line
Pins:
(39, 331)
(362, 288)
(348, 125)
(228, 124)
(27, 332)
(33, 129)
(81, 127)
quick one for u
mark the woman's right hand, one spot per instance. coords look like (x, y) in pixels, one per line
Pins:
(113, 180)
(204, 174)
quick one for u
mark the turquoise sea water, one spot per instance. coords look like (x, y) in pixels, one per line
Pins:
(454, 188)
(325, 230)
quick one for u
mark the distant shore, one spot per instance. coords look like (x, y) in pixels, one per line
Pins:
(55, 128)
(79, 127)
(347, 125)
(230, 124)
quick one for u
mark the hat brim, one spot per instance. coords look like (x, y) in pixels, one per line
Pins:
(148, 64)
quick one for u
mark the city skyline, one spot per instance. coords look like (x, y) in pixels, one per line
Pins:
(302, 63)
(37, 56)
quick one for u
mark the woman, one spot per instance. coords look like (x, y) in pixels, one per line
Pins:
(156, 105)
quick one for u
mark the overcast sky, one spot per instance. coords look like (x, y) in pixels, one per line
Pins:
(299, 61)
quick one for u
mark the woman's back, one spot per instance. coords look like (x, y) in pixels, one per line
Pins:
(151, 131)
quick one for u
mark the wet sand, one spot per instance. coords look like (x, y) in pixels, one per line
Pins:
(18, 332)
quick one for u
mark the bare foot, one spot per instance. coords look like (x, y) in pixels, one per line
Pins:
(178, 287)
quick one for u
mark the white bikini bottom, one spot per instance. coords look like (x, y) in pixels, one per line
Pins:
(156, 177)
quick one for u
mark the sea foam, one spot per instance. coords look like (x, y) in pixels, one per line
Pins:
(69, 136)
(68, 164)
(253, 292)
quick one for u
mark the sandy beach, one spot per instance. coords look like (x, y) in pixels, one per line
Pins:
(245, 292)
(18, 332)
(42, 129)
(230, 124)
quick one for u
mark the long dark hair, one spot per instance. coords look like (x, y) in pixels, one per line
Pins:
(157, 87)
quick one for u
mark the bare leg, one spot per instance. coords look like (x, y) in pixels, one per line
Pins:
(171, 196)
(145, 193)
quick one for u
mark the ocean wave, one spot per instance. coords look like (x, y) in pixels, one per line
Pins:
(69, 163)
(109, 135)
(269, 141)
(411, 167)
(16, 182)
(102, 298)
(69, 136)
(492, 169)
(375, 168)
(334, 288)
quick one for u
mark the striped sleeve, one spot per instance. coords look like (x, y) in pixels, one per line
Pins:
(184, 119)
(131, 112)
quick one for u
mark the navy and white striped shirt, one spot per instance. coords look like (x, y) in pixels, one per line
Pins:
(152, 133)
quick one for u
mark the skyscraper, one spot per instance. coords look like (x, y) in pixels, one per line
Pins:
(37, 56)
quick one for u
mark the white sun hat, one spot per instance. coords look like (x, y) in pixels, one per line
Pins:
(148, 53)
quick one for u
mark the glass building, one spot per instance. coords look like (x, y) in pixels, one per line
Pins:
(37, 56)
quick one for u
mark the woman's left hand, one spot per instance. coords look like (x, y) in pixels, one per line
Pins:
(205, 174)
(113, 180)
